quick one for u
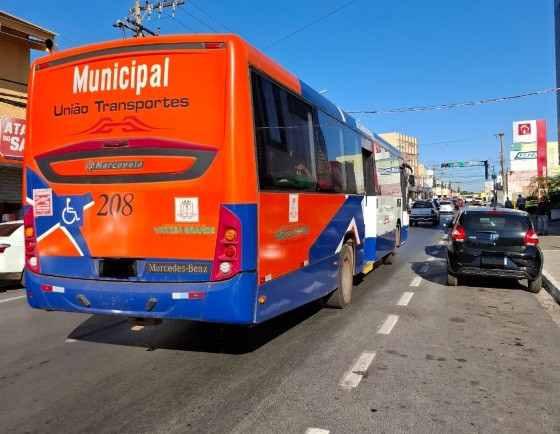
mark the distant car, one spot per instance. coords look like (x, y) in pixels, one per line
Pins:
(494, 242)
(446, 206)
(424, 211)
(12, 257)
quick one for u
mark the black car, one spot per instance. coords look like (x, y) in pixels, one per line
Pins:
(494, 242)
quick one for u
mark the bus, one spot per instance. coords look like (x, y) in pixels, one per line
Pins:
(192, 177)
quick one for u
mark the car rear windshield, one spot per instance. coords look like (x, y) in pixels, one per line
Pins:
(422, 205)
(8, 229)
(491, 221)
(445, 203)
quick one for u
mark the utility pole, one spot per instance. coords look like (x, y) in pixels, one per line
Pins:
(504, 173)
(134, 22)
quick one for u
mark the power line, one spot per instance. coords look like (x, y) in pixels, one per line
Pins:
(301, 29)
(180, 22)
(460, 104)
(210, 16)
(199, 20)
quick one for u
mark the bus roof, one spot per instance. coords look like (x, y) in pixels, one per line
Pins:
(306, 91)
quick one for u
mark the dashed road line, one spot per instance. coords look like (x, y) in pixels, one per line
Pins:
(317, 431)
(431, 258)
(13, 298)
(356, 373)
(388, 325)
(442, 242)
(416, 281)
(405, 299)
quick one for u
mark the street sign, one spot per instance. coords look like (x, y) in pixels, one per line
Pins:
(463, 164)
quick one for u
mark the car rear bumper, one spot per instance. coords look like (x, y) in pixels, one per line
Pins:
(470, 265)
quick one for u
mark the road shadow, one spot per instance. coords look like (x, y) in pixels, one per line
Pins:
(183, 335)
(6, 285)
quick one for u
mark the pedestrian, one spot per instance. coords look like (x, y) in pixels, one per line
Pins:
(520, 202)
(508, 203)
(543, 208)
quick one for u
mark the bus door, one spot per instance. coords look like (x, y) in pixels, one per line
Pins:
(370, 207)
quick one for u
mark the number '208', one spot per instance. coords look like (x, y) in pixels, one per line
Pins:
(116, 204)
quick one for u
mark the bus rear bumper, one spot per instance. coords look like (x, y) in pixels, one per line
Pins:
(231, 301)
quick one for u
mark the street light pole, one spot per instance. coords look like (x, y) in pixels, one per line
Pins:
(504, 174)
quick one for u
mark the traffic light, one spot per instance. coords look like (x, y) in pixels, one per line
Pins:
(486, 169)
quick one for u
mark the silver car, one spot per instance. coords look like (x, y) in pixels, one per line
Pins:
(446, 206)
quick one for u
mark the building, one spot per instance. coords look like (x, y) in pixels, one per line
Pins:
(17, 39)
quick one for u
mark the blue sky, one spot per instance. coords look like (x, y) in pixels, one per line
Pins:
(376, 55)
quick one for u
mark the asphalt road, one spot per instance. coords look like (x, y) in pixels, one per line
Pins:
(409, 355)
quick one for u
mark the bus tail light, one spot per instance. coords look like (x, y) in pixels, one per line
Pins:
(227, 256)
(30, 239)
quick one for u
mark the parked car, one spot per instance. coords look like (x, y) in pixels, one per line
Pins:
(12, 257)
(424, 211)
(446, 206)
(494, 242)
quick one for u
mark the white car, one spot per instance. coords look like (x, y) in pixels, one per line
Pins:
(446, 206)
(12, 256)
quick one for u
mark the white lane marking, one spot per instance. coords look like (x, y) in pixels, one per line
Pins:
(442, 242)
(405, 299)
(431, 258)
(388, 325)
(424, 268)
(70, 341)
(416, 281)
(317, 431)
(356, 373)
(13, 298)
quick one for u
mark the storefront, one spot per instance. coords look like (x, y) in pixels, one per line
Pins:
(17, 39)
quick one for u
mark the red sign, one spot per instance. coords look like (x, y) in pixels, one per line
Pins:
(524, 129)
(13, 137)
(542, 162)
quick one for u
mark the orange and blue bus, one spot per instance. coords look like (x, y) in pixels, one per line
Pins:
(192, 177)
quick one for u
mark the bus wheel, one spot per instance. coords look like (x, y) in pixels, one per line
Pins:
(341, 296)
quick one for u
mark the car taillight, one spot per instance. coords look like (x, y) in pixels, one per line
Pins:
(458, 234)
(531, 238)
(31, 256)
(227, 256)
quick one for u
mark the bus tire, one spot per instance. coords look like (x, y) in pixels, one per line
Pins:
(22, 279)
(341, 296)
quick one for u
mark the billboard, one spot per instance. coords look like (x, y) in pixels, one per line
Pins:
(533, 132)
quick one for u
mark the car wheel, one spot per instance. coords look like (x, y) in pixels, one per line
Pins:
(435, 223)
(341, 296)
(535, 284)
(22, 280)
(452, 280)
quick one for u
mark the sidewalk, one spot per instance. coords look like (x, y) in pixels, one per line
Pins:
(550, 246)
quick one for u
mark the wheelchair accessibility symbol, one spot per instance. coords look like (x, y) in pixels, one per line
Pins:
(72, 211)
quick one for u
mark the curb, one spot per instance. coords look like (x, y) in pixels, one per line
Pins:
(551, 285)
